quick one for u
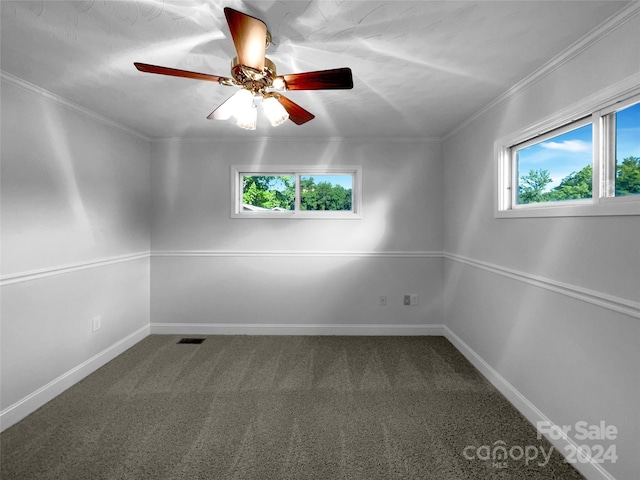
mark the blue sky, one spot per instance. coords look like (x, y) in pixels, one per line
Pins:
(561, 155)
(572, 151)
(628, 128)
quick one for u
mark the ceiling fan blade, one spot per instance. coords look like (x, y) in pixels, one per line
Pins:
(337, 78)
(225, 109)
(144, 67)
(297, 114)
(249, 37)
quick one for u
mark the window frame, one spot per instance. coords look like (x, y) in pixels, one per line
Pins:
(601, 202)
(608, 160)
(239, 171)
(556, 132)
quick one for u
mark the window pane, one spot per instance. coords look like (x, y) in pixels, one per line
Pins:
(628, 151)
(326, 192)
(556, 169)
(268, 192)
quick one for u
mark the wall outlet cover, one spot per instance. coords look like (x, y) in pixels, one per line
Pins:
(97, 323)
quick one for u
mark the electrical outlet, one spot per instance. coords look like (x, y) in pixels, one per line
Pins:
(410, 299)
(97, 323)
(382, 300)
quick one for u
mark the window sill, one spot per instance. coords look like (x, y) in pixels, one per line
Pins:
(611, 207)
(299, 215)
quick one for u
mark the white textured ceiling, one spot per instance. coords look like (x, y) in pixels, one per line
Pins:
(420, 68)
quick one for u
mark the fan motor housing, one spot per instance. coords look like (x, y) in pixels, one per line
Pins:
(252, 79)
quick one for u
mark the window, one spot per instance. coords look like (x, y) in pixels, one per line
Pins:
(295, 192)
(556, 167)
(584, 166)
(622, 151)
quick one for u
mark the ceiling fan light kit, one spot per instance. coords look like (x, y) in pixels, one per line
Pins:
(274, 110)
(245, 111)
(247, 118)
(257, 76)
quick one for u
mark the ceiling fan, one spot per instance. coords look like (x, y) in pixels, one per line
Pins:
(257, 77)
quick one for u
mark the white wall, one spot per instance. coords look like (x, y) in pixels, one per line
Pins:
(75, 243)
(209, 269)
(82, 203)
(573, 357)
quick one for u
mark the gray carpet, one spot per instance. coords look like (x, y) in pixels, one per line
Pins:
(242, 407)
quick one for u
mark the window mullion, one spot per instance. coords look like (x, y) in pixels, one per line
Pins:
(597, 173)
(296, 208)
(512, 171)
(608, 152)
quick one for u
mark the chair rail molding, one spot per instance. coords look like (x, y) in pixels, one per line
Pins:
(604, 300)
(12, 278)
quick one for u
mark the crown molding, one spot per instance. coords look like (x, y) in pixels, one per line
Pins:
(69, 105)
(624, 15)
(61, 101)
(301, 139)
(248, 253)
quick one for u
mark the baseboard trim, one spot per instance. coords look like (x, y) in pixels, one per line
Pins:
(293, 329)
(590, 469)
(29, 404)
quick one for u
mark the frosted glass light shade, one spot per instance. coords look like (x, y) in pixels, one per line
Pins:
(247, 118)
(274, 111)
(245, 111)
(243, 99)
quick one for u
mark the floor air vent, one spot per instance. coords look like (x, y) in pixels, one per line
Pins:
(192, 341)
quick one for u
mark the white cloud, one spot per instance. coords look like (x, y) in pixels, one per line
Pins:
(574, 146)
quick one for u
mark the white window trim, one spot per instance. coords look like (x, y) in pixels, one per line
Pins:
(599, 205)
(237, 172)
